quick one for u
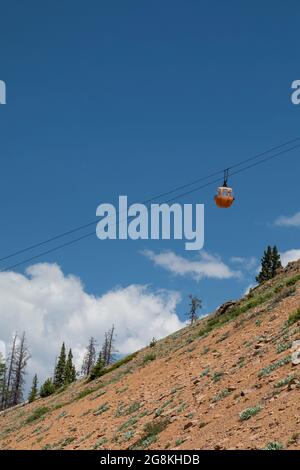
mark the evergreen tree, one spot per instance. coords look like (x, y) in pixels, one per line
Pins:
(34, 390)
(89, 357)
(195, 304)
(47, 388)
(276, 261)
(70, 372)
(98, 367)
(59, 375)
(270, 263)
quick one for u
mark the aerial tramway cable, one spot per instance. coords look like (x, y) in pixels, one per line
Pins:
(226, 172)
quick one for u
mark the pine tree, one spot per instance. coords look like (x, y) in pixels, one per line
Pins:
(47, 388)
(98, 367)
(195, 304)
(59, 375)
(89, 357)
(34, 389)
(276, 261)
(21, 358)
(70, 372)
(270, 263)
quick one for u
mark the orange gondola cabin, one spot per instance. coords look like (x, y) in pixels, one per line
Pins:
(224, 197)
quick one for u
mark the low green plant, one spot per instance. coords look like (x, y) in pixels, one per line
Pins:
(222, 394)
(159, 410)
(202, 424)
(153, 342)
(294, 438)
(178, 442)
(249, 412)
(281, 362)
(223, 337)
(128, 424)
(205, 350)
(283, 347)
(102, 408)
(217, 376)
(128, 435)
(114, 366)
(149, 357)
(38, 413)
(151, 430)
(84, 393)
(285, 381)
(294, 317)
(274, 446)
(293, 280)
(205, 372)
(100, 443)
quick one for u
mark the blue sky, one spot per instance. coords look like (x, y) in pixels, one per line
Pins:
(110, 98)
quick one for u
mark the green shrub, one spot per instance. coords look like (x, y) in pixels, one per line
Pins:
(114, 366)
(294, 317)
(38, 413)
(84, 393)
(217, 376)
(249, 412)
(133, 408)
(205, 372)
(100, 443)
(223, 394)
(102, 408)
(285, 381)
(283, 347)
(215, 322)
(274, 446)
(151, 430)
(153, 343)
(293, 280)
(149, 357)
(128, 424)
(267, 370)
(294, 438)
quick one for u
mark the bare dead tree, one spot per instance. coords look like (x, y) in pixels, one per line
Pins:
(2, 381)
(7, 395)
(19, 369)
(89, 359)
(195, 304)
(108, 346)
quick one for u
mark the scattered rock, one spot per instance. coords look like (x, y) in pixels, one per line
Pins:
(189, 425)
(225, 308)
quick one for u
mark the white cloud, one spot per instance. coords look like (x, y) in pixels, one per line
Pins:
(247, 263)
(290, 255)
(2, 348)
(248, 288)
(288, 221)
(52, 308)
(205, 266)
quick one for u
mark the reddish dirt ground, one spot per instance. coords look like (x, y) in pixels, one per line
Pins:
(188, 391)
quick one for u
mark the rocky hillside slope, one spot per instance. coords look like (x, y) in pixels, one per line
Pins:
(230, 381)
